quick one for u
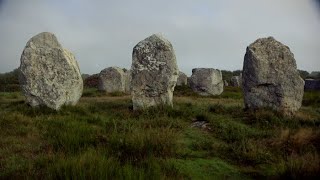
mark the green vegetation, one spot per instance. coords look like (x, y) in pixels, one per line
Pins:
(303, 74)
(102, 137)
(226, 75)
(9, 81)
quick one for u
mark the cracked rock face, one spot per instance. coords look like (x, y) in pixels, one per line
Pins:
(154, 72)
(182, 79)
(112, 79)
(49, 75)
(206, 81)
(270, 77)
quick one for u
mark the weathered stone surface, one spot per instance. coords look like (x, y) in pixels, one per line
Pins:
(91, 81)
(270, 77)
(311, 84)
(182, 79)
(225, 82)
(154, 72)
(112, 79)
(206, 81)
(236, 81)
(49, 74)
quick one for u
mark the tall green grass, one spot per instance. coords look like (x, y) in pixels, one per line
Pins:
(103, 138)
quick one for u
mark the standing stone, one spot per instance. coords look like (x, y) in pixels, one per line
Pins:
(236, 81)
(91, 81)
(49, 75)
(270, 77)
(112, 79)
(206, 81)
(311, 84)
(154, 72)
(182, 79)
(225, 82)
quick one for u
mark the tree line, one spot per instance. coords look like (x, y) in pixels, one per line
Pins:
(9, 82)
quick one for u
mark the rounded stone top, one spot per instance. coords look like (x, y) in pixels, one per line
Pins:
(111, 69)
(158, 37)
(44, 39)
(268, 45)
(155, 40)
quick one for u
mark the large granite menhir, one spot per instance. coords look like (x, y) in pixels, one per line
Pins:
(49, 74)
(270, 77)
(206, 81)
(154, 73)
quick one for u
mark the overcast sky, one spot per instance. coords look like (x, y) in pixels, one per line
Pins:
(204, 33)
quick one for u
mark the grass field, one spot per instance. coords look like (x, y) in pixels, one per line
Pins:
(102, 137)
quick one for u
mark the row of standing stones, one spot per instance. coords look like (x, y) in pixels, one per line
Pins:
(50, 75)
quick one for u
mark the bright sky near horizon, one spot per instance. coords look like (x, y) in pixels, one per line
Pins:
(204, 33)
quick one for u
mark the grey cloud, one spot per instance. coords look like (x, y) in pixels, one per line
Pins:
(206, 33)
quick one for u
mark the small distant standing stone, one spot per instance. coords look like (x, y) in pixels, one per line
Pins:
(236, 81)
(182, 79)
(112, 79)
(270, 77)
(154, 72)
(206, 81)
(49, 74)
(226, 83)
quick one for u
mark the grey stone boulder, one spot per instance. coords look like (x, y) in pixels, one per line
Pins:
(112, 79)
(182, 79)
(236, 81)
(49, 74)
(154, 72)
(206, 81)
(270, 77)
(311, 84)
(225, 82)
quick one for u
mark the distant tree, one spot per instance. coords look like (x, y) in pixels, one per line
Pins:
(314, 75)
(226, 75)
(9, 81)
(304, 74)
(236, 73)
